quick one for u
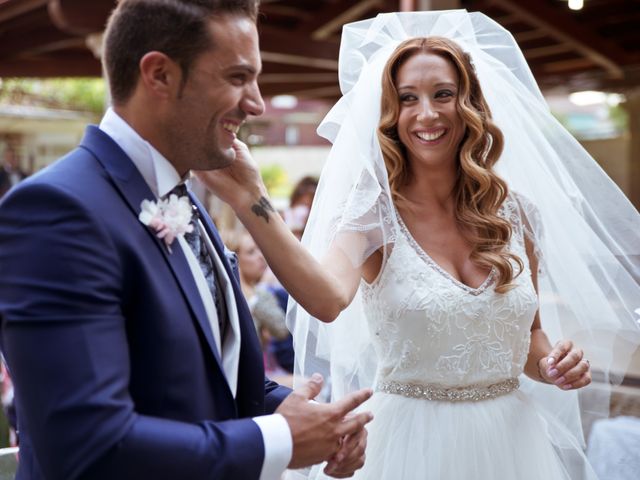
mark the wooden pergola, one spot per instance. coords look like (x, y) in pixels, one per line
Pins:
(597, 47)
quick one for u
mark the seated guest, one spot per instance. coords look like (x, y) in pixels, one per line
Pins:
(267, 313)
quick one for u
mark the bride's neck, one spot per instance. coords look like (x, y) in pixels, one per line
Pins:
(430, 191)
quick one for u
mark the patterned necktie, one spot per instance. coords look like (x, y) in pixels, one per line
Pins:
(199, 248)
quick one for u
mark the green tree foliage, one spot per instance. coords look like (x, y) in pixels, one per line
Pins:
(620, 117)
(83, 94)
(275, 179)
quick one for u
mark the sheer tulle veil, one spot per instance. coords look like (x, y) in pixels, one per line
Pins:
(586, 232)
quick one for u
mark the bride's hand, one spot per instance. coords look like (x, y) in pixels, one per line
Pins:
(565, 366)
(239, 184)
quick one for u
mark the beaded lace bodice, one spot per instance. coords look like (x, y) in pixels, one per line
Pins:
(427, 327)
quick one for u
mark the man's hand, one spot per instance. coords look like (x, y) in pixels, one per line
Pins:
(565, 366)
(326, 431)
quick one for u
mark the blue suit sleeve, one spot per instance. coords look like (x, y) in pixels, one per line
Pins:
(64, 336)
(274, 395)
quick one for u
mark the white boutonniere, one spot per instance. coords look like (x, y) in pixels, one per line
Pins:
(169, 218)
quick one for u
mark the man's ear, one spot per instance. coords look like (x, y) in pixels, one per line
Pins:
(160, 75)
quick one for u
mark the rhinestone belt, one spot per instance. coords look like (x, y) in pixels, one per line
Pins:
(471, 393)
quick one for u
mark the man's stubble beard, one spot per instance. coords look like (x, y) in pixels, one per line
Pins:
(199, 150)
(216, 157)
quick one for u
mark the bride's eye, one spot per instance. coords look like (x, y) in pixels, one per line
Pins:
(444, 94)
(407, 97)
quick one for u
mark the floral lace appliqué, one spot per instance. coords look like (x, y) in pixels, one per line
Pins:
(430, 330)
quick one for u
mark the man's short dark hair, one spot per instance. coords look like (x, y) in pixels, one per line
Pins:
(177, 28)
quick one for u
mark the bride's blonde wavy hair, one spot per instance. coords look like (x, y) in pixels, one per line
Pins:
(479, 191)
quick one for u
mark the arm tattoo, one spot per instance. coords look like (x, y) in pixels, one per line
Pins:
(262, 208)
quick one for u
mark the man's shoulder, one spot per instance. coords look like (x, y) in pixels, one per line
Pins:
(84, 159)
(67, 170)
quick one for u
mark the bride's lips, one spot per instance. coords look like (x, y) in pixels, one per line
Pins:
(430, 136)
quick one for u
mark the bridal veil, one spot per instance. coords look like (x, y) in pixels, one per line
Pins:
(585, 231)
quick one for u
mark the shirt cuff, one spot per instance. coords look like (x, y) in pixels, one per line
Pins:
(278, 445)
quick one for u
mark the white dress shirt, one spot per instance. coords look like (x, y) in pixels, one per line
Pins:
(162, 177)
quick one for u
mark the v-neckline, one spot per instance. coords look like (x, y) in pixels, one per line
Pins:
(430, 261)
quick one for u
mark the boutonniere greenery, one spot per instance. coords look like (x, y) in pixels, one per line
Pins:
(169, 218)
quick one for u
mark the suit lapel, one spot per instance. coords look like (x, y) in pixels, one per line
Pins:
(231, 340)
(134, 190)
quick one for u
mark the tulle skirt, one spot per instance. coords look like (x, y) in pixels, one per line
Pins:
(505, 438)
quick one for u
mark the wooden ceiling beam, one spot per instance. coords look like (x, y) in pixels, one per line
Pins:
(529, 35)
(15, 43)
(298, 78)
(297, 49)
(80, 17)
(332, 91)
(290, 59)
(47, 66)
(603, 20)
(335, 16)
(596, 81)
(284, 11)
(273, 39)
(547, 51)
(507, 19)
(29, 22)
(292, 86)
(600, 9)
(278, 68)
(324, 91)
(49, 47)
(622, 28)
(349, 15)
(575, 64)
(564, 28)
(12, 9)
(324, 16)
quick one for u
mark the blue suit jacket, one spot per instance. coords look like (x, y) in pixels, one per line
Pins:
(116, 372)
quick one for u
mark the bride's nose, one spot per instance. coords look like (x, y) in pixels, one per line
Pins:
(427, 112)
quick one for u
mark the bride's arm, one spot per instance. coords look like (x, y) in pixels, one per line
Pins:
(322, 288)
(562, 365)
(540, 346)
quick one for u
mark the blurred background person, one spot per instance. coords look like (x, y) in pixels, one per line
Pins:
(300, 203)
(268, 314)
(10, 175)
(295, 217)
(10, 172)
(257, 280)
(8, 407)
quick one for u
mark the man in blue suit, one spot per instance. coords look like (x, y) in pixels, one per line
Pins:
(132, 350)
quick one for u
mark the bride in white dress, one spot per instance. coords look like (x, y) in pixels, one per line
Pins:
(427, 283)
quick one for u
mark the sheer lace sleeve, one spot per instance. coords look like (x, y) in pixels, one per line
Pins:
(531, 225)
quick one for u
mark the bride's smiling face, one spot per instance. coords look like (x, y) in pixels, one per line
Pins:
(429, 125)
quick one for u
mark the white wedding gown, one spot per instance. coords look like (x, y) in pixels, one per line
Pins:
(430, 329)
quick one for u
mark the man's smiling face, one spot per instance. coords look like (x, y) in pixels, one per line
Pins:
(220, 92)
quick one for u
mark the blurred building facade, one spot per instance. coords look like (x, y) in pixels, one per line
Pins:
(40, 135)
